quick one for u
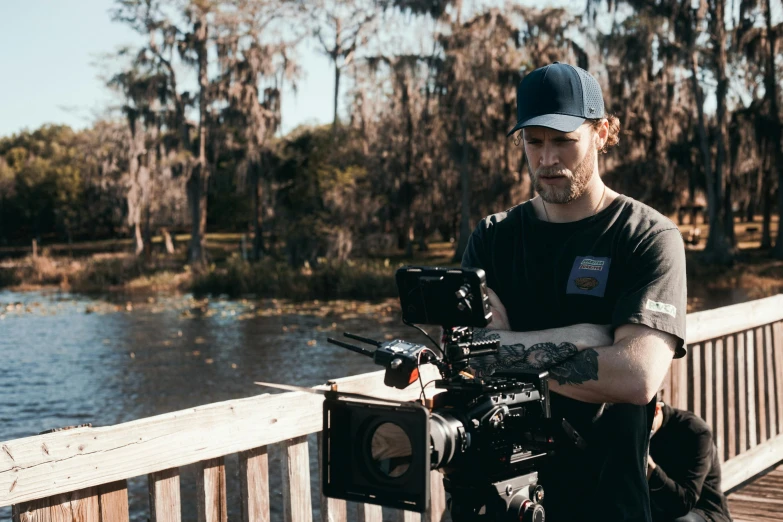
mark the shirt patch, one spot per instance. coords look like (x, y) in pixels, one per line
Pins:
(589, 276)
(664, 308)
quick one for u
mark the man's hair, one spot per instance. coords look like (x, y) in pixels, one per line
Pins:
(614, 131)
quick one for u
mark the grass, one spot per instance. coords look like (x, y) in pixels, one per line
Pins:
(99, 270)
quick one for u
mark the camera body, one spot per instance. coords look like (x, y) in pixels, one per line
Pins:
(488, 436)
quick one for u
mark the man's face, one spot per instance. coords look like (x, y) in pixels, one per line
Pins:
(561, 163)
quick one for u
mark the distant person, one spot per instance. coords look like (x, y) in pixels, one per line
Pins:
(683, 469)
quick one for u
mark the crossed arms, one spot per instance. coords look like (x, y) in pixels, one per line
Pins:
(585, 362)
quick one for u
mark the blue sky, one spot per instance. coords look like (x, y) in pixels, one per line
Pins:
(50, 51)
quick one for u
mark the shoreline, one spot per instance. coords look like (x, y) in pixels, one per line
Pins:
(753, 275)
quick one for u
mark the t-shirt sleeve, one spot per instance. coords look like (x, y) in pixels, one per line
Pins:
(655, 292)
(475, 253)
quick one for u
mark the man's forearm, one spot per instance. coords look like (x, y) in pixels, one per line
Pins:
(623, 372)
(567, 353)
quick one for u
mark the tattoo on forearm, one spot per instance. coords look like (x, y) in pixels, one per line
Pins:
(566, 364)
(485, 334)
(580, 368)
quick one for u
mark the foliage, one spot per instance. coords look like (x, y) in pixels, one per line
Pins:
(429, 87)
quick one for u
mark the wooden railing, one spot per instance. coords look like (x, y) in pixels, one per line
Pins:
(732, 377)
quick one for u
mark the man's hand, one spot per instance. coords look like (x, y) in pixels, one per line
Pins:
(499, 314)
(650, 466)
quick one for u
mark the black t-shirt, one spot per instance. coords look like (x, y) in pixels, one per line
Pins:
(624, 265)
(687, 477)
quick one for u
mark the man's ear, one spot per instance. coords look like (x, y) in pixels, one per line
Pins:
(602, 135)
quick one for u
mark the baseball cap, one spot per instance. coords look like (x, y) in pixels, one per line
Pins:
(558, 96)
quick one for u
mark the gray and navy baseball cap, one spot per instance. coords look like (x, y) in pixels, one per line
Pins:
(558, 96)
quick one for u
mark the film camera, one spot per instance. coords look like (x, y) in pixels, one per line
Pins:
(488, 436)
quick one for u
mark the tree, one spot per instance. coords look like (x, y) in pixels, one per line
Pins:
(341, 26)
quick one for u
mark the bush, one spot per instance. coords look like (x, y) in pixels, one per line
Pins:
(271, 278)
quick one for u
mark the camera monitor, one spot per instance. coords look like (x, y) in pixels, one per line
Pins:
(444, 296)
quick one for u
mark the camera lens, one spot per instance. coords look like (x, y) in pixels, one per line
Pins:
(390, 450)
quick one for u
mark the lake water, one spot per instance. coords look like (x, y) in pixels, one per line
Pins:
(70, 359)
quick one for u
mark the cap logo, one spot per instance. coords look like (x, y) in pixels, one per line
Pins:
(591, 110)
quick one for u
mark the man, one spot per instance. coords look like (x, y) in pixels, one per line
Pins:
(683, 469)
(577, 256)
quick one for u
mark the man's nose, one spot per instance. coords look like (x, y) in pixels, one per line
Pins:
(548, 156)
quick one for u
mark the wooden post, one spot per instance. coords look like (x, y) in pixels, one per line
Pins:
(731, 403)
(82, 506)
(751, 391)
(369, 513)
(165, 504)
(777, 354)
(437, 498)
(35, 249)
(696, 378)
(720, 386)
(332, 509)
(297, 506)
(254, 484)
(114, 501)
(211, 490)
(770, 370)
(742, 393)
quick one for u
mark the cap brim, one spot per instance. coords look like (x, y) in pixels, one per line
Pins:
(558, 122)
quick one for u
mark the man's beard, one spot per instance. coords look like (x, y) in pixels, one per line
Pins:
(576, 181)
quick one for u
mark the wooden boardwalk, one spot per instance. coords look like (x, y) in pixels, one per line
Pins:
(760, 500)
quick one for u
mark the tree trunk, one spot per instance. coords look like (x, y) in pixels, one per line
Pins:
(336, 95)
(257, 222)
(718, 244)
(464, 177)
(717, 240)
(197, 184)
(139, 238)
(770, 86)
(766, 198)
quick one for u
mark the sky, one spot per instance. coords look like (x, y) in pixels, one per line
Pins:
(54, 64)
(53, 67)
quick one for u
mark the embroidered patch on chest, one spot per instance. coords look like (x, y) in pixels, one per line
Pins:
(589, 276)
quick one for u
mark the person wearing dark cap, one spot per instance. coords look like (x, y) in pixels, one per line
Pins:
(683, 469)
(590, 285)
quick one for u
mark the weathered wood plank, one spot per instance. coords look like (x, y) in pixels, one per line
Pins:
(211, 490)
(296, 481)
(731, 410)
(696, 379)
(44, 465)
(752, 462)
(81, 506)
(708, 385)
(720, 387)
(369, 513)
(761, 390)
(254, 484)
(742, 395)
(777, 353)
(771, 384)
(113, 499)
(165, 503)
(751, 391)
(332, 509)
(407, 516)
(437, 498)
(726, 320)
